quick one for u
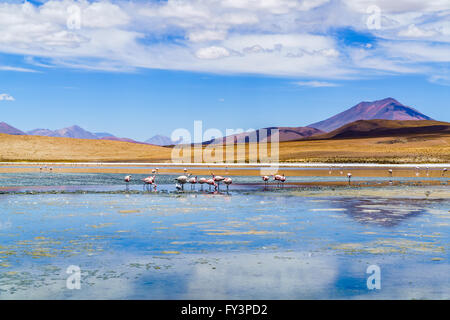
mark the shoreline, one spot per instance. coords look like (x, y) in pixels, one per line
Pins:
(194, 164)
(338, 171)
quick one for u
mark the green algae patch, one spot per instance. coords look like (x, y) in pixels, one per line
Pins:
(101, 225)
(437, 259)
(385, 246)
(129, 211)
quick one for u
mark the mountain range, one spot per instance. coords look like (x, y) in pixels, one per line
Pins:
(160, 140)
(385, 109)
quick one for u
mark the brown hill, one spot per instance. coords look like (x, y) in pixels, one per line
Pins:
(38, 148)
(387, 109)
(385, 128)
(285, 134)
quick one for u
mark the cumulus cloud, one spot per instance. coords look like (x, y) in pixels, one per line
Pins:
(6, 97)
(274, 37)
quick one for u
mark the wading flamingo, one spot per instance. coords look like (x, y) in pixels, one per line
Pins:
(227, 181)
(266, 180)
(390, 172)
(283, 179)
(181, 180)
(211, 182)
(217, 179)
(127, 180)
(349, 175)
(277, 178)
(202, 181)
(444, 171)
(193, 181)
(149, 181)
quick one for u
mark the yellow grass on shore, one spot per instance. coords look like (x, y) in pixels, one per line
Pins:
(37, 148)
(432, 148)
(338, 173)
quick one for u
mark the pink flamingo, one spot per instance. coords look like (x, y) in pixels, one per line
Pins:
(349, 175)
(283, 179)
(211, 182)
(202, 181)
(227, 181)
(127, 181)
(217, 179)
(266, 180)
(193, 181)
(181, 180)
(277, 178)
(149, 181)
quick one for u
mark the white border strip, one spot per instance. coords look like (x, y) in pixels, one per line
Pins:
(255, 165)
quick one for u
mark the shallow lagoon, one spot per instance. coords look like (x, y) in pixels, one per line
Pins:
(293, 243)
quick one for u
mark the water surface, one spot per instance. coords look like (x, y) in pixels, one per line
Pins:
(254, 243)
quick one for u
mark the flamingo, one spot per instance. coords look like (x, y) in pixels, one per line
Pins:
(283, 179)
(217, 179)
(149, 181)
(349, 175)
(127, 180)
(390, 172)
(202, 181)
(277, 178)
(211, 182)
(181, 180)
(266, 180)
(193, 181)
(444, 171)
(227, 181)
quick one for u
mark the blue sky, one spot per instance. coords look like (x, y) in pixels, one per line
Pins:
(140, 69)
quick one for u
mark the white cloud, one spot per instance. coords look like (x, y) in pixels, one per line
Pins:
(415, 32)
(441, 79)
(18, 69)
(212, 53)
(6, 97)
(275, 37)
(315, 84)
(207, 35)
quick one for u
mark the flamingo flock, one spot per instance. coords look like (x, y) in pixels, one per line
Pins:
(215, 181)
